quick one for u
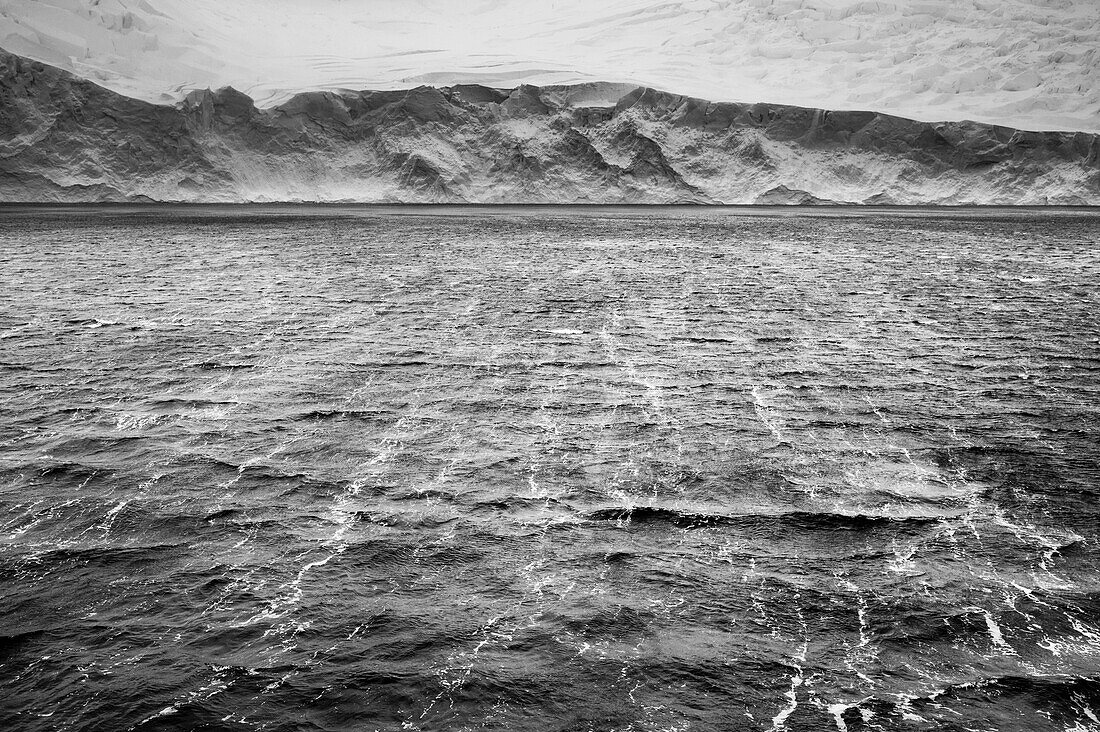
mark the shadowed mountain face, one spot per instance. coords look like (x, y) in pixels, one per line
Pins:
(63, 138)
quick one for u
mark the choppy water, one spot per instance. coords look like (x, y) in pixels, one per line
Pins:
(549, 470)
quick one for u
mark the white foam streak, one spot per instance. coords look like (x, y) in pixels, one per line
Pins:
(779, 721)
(764, 413)
(217, 683)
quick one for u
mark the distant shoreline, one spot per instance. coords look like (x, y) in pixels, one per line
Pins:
(322, 209)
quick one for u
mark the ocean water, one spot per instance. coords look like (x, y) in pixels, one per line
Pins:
(549, 469)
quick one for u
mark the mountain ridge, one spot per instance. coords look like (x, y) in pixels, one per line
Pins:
(66, 139)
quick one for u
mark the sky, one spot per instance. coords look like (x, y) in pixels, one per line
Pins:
(1033, 64)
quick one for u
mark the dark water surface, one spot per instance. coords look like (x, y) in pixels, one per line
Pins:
(549, 470)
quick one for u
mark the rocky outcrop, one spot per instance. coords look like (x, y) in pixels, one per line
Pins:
(63, 138)
(784, 196)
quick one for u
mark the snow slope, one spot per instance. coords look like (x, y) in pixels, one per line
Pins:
(1030, 64)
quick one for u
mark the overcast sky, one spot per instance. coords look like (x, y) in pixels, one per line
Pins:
(1027, 63)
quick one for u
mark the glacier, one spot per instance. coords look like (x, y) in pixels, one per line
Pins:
(64, 138)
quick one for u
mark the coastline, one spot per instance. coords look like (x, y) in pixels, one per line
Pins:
(328, 209)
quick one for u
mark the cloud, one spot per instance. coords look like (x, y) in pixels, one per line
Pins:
(1026, 63)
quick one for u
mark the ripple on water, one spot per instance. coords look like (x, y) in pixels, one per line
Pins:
(549, 470)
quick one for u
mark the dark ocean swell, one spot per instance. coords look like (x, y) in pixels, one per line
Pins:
(549, 469)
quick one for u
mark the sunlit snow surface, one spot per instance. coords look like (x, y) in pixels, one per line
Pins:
(1032, 64)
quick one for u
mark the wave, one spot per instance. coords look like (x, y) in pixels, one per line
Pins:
(218, 366)
(106, 555)
(13, 642)
(223, 514)
(195, 402)
(402, 554)
(322, 415)
(1064, 699)
(654, 515)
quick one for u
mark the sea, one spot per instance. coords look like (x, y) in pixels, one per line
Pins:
(586, 469)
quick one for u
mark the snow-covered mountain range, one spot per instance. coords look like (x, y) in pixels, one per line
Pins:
(64, 138)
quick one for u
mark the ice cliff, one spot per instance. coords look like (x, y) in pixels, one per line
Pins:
(63, 138)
